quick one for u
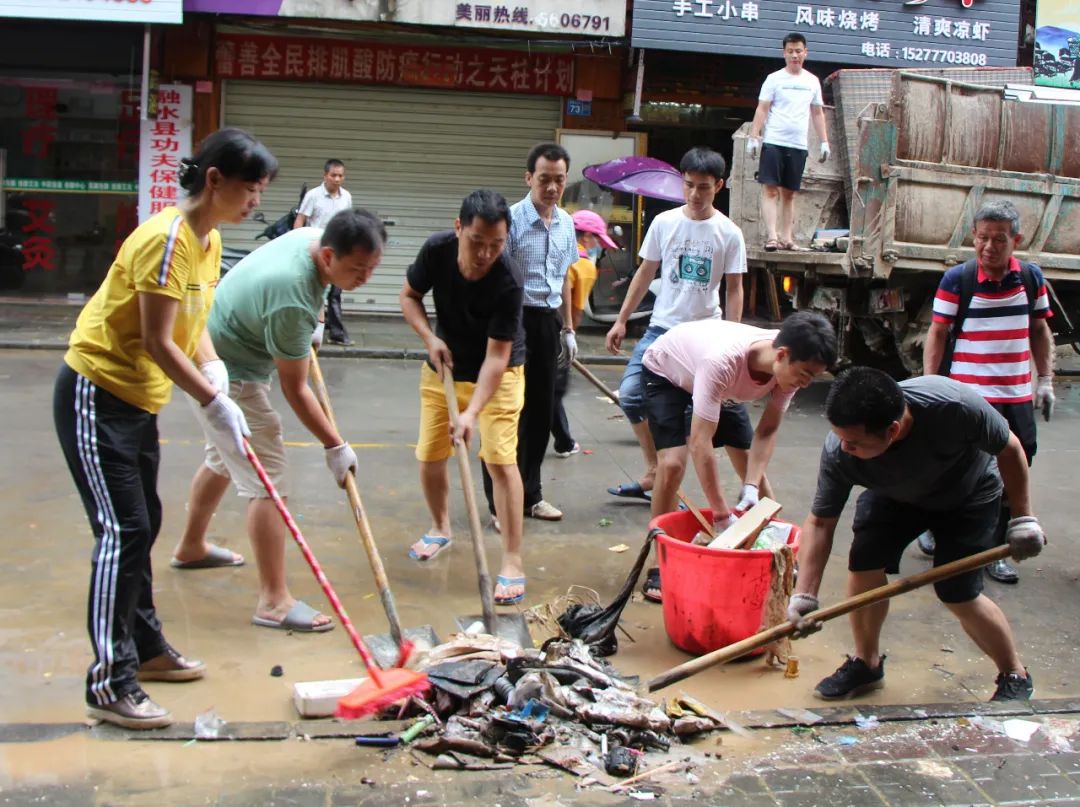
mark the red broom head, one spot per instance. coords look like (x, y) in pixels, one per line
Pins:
(368, 698)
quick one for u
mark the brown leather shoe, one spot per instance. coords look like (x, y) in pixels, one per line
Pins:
(133, 711)
(171, 666)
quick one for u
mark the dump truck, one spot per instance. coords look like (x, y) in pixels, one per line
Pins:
(915, 153)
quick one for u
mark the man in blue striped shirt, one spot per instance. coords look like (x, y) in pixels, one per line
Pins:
(543, 244)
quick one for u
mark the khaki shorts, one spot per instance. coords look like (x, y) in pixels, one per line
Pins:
(267, 440)
(498, 421)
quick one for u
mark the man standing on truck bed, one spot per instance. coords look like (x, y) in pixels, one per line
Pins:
(992, 312)
(788, 101)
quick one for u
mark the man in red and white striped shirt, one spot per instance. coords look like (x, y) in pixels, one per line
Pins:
(996, 309)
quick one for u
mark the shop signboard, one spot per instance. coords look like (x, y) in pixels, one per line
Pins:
(146, 11)
(886, 33)
(240, 56)
(1057, 44)
(162, 143)
(597, 18)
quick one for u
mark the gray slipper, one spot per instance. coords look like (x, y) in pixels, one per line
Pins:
(299, 619)
(217, 557)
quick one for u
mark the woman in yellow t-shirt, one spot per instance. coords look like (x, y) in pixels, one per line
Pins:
(142, 331)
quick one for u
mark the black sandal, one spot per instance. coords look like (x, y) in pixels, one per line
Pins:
(650, 589)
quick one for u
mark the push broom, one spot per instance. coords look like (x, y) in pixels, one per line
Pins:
(382, 687)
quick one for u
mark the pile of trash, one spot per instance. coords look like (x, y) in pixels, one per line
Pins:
(495, 704)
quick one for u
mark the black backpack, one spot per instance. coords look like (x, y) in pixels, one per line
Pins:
(969, 274)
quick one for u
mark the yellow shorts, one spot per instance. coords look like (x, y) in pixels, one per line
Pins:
(498, 421)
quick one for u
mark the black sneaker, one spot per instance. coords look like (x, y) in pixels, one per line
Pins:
(853, 678)
(1013, 687)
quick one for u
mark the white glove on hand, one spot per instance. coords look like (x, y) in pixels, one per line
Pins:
(340, 460)
(826, 152)
(748, 498)
(227, 424)
(753, 147)
(317, 335)
(217, 374)
(569, 345)
(723, 522)
(798, 607)
(1044, 396)
(1025, 537)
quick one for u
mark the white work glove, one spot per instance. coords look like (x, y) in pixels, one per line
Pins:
(317, 335)
(340, 460)
(748, 498)
(227, 424)
(721, 523)
(798, 607)
(217, 374)
(753, 147)
(569, 345)
(825, 151)
(1044, 396)
(1025, 537)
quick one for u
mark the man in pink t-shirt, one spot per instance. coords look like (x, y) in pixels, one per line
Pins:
(693, 369)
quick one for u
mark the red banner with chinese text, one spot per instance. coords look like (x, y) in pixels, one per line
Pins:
(334, 60)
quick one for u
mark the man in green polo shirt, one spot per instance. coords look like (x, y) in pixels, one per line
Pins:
(266, 318)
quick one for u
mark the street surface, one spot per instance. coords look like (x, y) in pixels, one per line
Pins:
(931, 755)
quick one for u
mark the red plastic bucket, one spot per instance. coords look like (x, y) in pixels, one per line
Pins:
(711, 597)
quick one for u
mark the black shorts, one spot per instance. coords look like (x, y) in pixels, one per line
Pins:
(884, 527)
(670, 408)
(1021, 418)
(781, 165)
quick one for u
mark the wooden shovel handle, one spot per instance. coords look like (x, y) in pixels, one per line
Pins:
(704, 522)
(487, 597)
(363, 526)
(766, 637)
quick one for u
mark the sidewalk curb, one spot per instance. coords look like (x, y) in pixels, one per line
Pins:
(331, 352)
(758, 720)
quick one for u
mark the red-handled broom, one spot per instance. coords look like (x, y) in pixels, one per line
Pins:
(383, 687)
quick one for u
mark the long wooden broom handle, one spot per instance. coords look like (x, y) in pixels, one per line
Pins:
(766, 637)
(487, 598)
(367, 537)
(600, 385)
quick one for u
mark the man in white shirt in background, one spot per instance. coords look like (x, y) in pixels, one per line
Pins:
(789, 100)
(695, 246)
(316, 209)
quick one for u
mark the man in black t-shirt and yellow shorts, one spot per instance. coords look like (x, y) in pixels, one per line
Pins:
(479, 338)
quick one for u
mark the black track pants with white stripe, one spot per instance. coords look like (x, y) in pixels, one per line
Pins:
(111, 448)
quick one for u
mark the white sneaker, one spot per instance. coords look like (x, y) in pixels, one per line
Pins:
(545, 511)
(495, 525)
(564, 454)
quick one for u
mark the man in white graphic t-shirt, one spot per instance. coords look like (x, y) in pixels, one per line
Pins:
(789, 100)
(694, 246)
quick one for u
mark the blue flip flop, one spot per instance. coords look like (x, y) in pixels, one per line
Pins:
(630, 491)
(441, 541)
(506, 582)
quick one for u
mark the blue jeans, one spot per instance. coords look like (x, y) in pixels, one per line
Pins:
(631, 390)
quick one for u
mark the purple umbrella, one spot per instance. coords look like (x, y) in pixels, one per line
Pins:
(644, 176)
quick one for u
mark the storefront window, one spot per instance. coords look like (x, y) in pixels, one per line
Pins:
(69, 179)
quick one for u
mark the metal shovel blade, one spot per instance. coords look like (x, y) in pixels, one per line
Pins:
(511, 627)
(385, 649)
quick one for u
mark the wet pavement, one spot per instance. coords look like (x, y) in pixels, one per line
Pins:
(47, 755)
